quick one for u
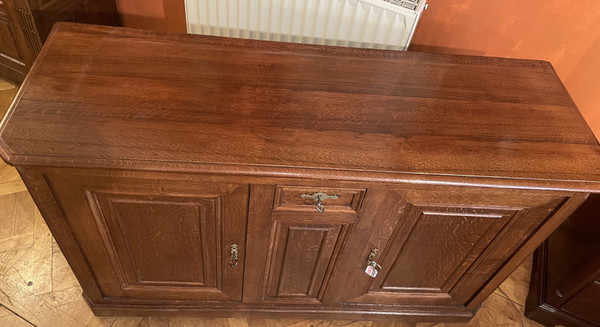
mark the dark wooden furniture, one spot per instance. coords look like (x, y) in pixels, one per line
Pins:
(565, 284)
(184, 174)
(25, 24)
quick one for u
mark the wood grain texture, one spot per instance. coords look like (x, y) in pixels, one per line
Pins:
(305, 244)
(455, 175)
(373, 224)
(259, 228)
(301, 256)
(447, 242)
(301, 260)
(441, 255)
(162, 237)
(175, 228)
(66, 296)
(295, 107)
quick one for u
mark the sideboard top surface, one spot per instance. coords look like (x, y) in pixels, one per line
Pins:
(122, 98)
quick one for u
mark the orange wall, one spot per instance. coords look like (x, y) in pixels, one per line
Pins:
(565, 33)
(159, 15)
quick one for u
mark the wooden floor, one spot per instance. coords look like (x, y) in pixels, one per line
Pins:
(37, 287)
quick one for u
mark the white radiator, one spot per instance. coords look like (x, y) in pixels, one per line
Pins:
(380, 24)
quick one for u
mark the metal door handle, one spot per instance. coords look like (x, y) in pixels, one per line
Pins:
(233, 261)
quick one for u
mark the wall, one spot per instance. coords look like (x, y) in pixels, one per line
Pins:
(159, 15)
(565, 33)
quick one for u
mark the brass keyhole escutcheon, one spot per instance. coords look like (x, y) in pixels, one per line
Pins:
(319, 197)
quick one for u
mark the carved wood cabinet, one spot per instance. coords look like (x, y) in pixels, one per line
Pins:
(184, 174)
(25, 24)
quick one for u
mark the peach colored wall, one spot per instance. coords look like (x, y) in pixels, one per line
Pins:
(159, 15)
(565, 33)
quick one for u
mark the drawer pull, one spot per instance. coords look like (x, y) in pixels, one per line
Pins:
(319, 197)
(234, 255)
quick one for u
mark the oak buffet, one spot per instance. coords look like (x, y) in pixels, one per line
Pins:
(183, 174)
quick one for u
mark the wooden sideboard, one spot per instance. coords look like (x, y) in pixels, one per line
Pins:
(25, 24)
(186, 174)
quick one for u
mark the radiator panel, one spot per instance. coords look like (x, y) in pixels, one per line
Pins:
(380, 24)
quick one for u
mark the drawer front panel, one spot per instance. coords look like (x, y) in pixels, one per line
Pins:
(302, 198)
(157, 237)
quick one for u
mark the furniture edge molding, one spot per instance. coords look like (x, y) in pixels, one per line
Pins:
(407, 314)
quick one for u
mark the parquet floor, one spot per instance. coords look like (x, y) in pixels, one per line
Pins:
(37, 287)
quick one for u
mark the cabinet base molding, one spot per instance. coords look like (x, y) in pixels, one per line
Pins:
(377, 312)
(12, 74)
(551, 316)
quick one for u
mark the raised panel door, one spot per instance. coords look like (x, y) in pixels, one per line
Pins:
(160, 240)
(442, 245)
(431, 249)
(15, 49)
(157, 236)
(303, 243)
(8, 48)
(48, 12)
(301, 255)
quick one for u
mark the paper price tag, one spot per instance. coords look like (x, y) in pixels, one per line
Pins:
(371, 271)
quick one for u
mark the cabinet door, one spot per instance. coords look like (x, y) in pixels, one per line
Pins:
(155, 236)
(48, 12)
(17, 46)
(443, 245)
(302, 245)
(585, 303)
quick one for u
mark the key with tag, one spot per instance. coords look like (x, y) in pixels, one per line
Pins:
(371, 269)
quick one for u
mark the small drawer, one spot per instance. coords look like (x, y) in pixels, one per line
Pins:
(304, 198)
